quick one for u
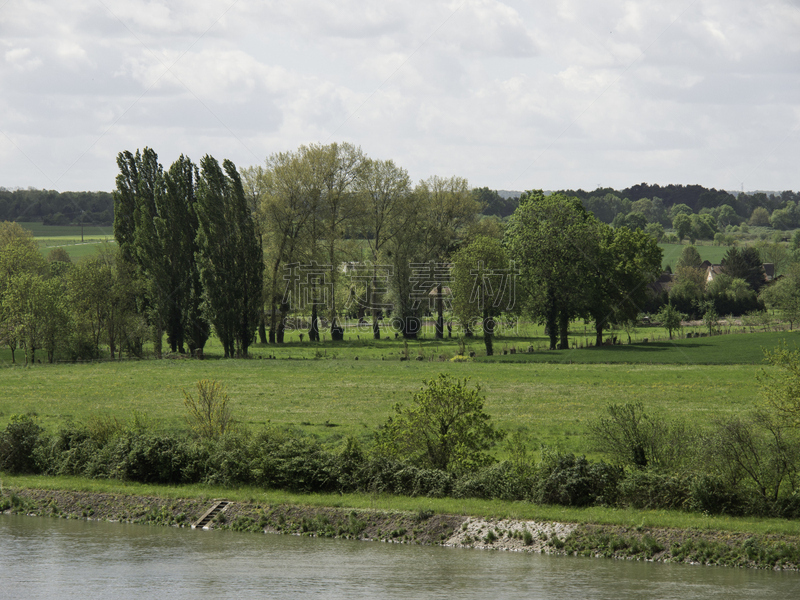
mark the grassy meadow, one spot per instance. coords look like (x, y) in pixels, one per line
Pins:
(672, 253)
(349, 389)
(69, 237)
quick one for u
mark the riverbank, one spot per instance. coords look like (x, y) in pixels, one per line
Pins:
(705, 547)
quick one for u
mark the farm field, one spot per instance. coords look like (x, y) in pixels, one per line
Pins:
(672, 252)
(335, 397)
(69, 237)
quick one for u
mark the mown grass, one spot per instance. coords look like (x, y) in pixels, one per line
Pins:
(336, 397)
(736, 348)
(672, 253)
(472, 507)
(69, 231)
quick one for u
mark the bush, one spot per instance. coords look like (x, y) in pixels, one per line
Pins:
(650, 490)
(210, 412)
(384, 475)
(148, 458)
(444, 428)
(631, 437)
(18, 445)
(574, 481)
(502, 481)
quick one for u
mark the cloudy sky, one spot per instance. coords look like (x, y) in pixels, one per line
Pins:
(512, 95)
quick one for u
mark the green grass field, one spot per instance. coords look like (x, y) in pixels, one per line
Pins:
(672, 253)
(70, 238)
(335, 397)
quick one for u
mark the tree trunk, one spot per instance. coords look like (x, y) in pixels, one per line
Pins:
(563, 329)
(488, 331)
(598, 328)
(262, 329)
(313, 328)
(439, 313)
(551, 322)
(158, 333)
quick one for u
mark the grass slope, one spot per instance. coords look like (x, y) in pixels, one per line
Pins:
(672, 252)
(333, 398)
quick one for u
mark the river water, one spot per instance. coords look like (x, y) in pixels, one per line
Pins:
(57, 558)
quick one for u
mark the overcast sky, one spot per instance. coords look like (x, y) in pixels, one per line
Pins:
(511, 95)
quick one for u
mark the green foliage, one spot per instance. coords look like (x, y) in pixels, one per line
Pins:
(780, 385)
(481, 285)
(573, 481)
(230, 257)
(631, 437)
(670, 318)
(444, 428)
(554, 241)
(209, 412)
(18, 443)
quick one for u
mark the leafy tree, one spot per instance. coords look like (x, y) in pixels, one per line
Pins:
(335, 169)
(679, 209)
(387, 209)
(553, 241)
(655, 230)
(670, 318)
(759, 217)
(689, 257)
(624, 264)
(35, 313)
(287, 213)
(229, 256)
(744, 264)
(445, 427)
(726, 215)
(703, 226)
(448, 208)
(482, 285)
(682, 224)
(784, 295)
(780, 384)
(209, 412)
(634, 438)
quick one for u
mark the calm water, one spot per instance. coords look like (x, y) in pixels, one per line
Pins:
(56, 558)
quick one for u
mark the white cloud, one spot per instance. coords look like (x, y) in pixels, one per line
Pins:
(507, 93)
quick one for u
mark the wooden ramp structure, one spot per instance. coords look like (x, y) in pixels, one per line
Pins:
(204, 522)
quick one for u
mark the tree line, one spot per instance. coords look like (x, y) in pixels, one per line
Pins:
(311, 237)
(56, 208)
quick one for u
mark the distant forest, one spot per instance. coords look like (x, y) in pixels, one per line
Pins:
(660, 204)
(64, 208)
(56, 208)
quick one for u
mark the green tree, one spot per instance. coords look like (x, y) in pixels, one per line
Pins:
(445, 427)
(287, 211)
(229, 256)
(682, 224)
(759, 217)
(670, 318)
(482, 285)
(387, 208)
(553, 240)
(624, 264)
(780, 384)
(448, 209)
(689, 257)
(784, 295)
(744, 264)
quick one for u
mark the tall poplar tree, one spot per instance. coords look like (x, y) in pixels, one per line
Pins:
(229, 256)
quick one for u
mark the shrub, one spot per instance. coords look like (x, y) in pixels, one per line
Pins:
(444, 428)
(631, 437)
(210, 412)
(18, 445)
(574, 481)
(652, 490)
